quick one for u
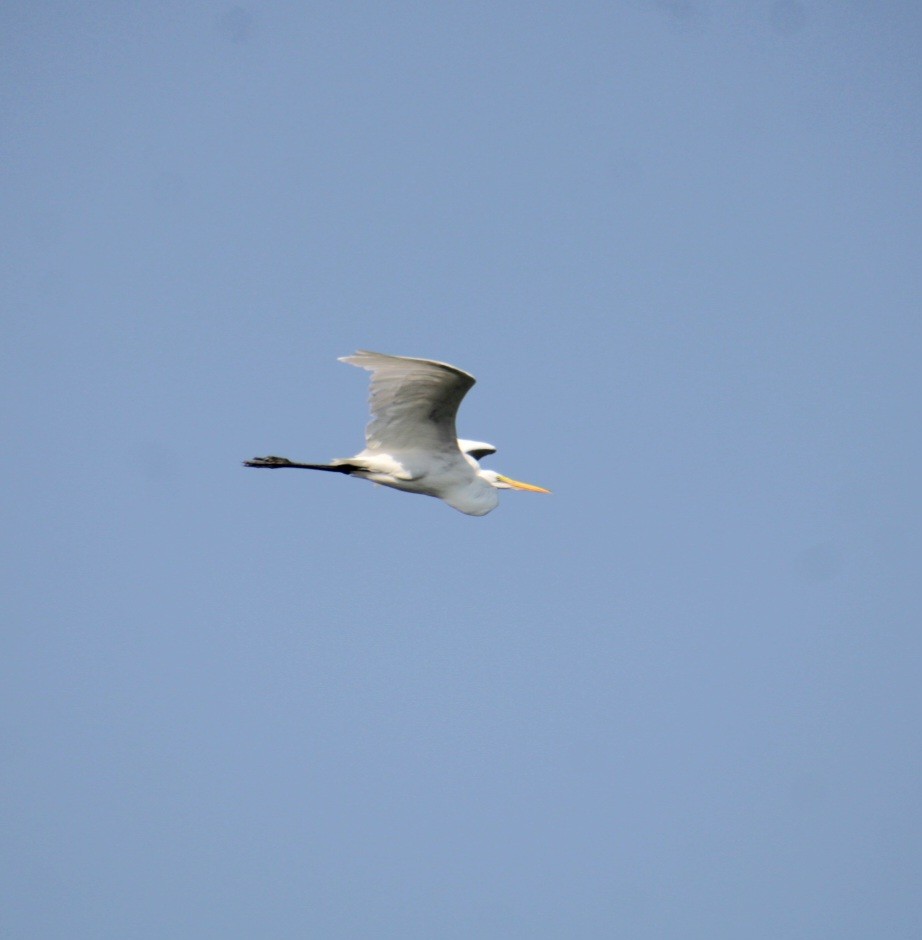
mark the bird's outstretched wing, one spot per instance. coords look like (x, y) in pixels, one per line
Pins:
(413, 402)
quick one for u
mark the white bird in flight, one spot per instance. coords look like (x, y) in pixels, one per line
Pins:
(411, 441)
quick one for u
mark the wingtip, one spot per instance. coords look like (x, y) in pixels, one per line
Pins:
(353, 358)
(371, 361)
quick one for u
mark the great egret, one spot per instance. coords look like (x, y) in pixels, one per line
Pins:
(411, 442)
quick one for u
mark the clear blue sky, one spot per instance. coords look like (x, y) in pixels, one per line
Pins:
(678, 244)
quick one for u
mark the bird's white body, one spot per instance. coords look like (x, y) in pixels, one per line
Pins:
(411, 440)
(456, 482)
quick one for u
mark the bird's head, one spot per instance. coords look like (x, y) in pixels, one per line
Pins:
(505, 483)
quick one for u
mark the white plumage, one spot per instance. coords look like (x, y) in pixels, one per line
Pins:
(411, 442)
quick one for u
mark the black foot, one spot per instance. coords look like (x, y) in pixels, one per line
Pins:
(273, 463)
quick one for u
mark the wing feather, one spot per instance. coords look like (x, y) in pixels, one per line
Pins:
(413, 402)
(476, 449)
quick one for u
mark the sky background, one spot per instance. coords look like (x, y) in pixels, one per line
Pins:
(678, 244)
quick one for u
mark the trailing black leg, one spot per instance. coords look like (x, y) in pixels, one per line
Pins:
(277, 463)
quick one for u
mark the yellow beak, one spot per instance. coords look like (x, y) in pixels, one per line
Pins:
(522, 486)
